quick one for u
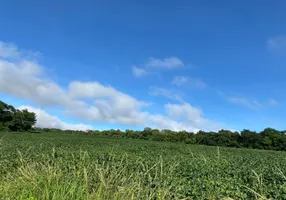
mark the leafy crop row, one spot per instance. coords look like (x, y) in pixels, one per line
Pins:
(56, 166)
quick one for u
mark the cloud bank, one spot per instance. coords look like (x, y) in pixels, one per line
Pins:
(90, 101)
(44, 120)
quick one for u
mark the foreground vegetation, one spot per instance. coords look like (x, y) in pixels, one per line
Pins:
(61, 166)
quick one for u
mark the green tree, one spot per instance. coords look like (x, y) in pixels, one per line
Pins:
(15, 120)
(250, 139)
(6, 115)
(23, 120)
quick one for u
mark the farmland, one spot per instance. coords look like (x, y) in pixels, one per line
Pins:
(61, 166)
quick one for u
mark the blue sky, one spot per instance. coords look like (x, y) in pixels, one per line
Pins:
(130, 64)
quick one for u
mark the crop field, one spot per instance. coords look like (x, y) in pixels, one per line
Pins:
(59, 166)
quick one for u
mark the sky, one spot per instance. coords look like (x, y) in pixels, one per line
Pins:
(179, 65)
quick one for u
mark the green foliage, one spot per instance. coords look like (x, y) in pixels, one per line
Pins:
(15, 120)
(59, 166)
(269, 139)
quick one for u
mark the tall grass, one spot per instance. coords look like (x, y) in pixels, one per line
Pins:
(107, 177)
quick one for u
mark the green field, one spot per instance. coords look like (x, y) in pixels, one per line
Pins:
(58, 166)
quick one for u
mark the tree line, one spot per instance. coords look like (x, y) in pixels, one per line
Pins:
(268, 139)
(12, 119)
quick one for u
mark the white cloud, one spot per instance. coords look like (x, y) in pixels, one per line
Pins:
(183, 117)
(154, 64)
(185, 80)
(180, 80)
(8, 50)
(188, 114)
(89, 101)
(11, 51)
(110, 105)
(79, 89)
(157, 91)
(175, 111)
(138, 72)
(22, 79)
(273, 102)
(44, 120)
(245, 102)
(169, 63)
(163, 122)
(277, 43)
